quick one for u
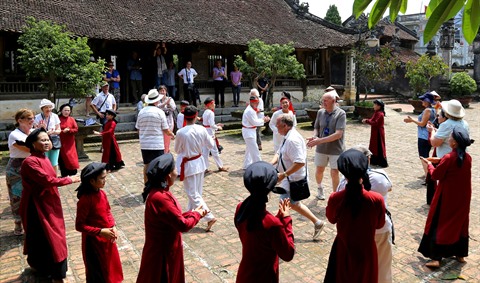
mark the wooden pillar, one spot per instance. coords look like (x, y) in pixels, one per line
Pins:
(350, 86)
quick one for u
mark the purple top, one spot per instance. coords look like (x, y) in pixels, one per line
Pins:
(236, 76)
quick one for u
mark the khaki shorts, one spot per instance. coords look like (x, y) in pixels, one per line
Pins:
(323, 160)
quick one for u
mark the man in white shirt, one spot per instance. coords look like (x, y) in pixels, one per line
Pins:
(189, 144)
(151, 125)
(250, 122)
(379, 182)
(291, 159)
(102, 102)
(187, 75)
(208, 120)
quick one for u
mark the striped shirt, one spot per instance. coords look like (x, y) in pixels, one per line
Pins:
(151, 122)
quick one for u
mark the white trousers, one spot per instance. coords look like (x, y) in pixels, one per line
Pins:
(252, 154)
(193, 186)
(384, 251)
(215, 155)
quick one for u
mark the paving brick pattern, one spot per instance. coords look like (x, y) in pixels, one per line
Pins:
(215, 256)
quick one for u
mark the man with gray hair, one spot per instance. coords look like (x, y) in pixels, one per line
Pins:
(291, 159)
(260, 115)
(328, 137)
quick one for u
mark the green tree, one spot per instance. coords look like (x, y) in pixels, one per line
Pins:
(421, 72)
(273, 60)
(50, 52)
(438, 12)
(333, 16)
(373, 68)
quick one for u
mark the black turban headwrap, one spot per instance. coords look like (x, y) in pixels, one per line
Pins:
(353, 164)
(157, 170)
(461, 136)
(259, 179)
(33, 137)
(91, 171)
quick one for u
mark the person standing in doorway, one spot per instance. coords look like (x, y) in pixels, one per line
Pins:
(219, 78)
(187, 75)
(135, 68)
(236, 77)
(158, 54)
(112, 76)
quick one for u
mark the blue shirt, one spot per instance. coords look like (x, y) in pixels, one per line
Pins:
(113, 74)
(422, 131)
(444, 131)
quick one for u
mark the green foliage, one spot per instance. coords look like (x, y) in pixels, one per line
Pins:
(364, 103)
(461, 84)
(423, 70)
(438, 12)
(333, 16)
(376, 67)
(50, 52)
(272, 60)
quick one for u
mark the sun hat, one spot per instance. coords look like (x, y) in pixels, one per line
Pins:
(153, 96)
(104, 84)
(46, 102)
(428, 97)
(453, 108)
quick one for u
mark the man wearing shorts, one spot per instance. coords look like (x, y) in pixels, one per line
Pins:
(290, 160)
(328, 137)
(151, 124)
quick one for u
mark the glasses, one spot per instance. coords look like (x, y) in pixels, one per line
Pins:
(28, 118)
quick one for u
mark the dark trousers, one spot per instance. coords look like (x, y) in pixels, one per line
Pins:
(219, 87)
(137, 89)
(189, 95)
(236, 94)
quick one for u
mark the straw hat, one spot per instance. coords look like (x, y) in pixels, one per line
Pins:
(46, 102)
(153, 96)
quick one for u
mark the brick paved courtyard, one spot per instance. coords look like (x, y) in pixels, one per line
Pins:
(215, 256)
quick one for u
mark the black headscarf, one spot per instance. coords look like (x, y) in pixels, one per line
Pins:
(91, 171)
(461, 136)
(259, 179)
(33, 137)
(380, 103)
(157, 171)
(353, 164)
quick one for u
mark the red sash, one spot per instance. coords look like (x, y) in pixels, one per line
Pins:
(253, 127)
(182, 165)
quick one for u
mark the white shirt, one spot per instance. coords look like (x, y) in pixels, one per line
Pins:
(187, 75)
(260, 108)
(52, 121)
(189, 142)
(17, 135)
(273, 120)
(108, 105)
(151, 122)
(294, 150)
(161, 65)
(249, 120)
(380, 184)
(168, 107)
(180, 119)
(208, 119)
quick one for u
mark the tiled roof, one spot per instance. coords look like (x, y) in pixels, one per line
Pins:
(232, 22)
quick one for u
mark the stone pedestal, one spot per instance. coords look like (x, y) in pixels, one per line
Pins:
(83, 132)
(350, 88)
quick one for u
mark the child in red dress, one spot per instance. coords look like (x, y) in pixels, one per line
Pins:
(111, 152)
(97, 225)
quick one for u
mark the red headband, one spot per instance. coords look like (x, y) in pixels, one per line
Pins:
(210, 103)
(284, 98)
(189, 117)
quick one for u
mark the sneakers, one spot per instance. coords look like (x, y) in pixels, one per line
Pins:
(320, 194)
(318, 230)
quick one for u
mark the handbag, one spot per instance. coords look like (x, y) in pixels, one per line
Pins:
(56, 144)
(299, 190)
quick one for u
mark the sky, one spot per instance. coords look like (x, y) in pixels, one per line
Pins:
(345, 7)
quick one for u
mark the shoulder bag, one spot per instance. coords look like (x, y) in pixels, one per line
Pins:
(298, 189)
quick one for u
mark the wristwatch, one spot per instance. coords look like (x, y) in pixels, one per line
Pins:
(285, 174)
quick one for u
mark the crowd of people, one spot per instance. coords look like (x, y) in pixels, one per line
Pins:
(362, 250)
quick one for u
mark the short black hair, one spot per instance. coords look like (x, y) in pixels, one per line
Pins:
(190, 111)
